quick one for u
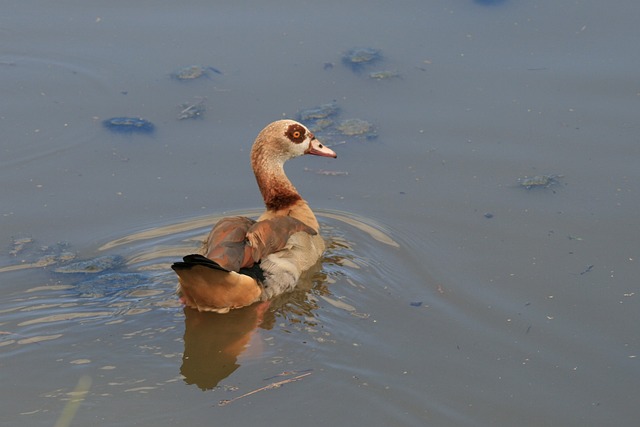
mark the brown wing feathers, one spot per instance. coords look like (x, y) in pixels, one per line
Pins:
(238, 243)
(271, 235)
(227, 240)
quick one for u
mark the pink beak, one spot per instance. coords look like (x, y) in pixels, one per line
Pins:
(317, 149)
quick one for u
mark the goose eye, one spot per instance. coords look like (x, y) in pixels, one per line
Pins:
(296, 133)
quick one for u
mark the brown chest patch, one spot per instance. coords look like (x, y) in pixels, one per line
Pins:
(281, 201)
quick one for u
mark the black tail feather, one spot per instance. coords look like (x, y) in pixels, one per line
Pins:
(194, 259)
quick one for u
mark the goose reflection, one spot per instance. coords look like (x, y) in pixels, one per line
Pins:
(213, 342)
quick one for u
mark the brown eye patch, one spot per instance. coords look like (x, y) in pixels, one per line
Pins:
(296, 133)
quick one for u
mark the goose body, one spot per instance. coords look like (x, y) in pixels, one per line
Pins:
(245, 260)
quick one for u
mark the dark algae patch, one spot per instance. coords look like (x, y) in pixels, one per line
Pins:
(193, 72)
(360, 58)
(128, 125)
(489, 2)
(539, 181)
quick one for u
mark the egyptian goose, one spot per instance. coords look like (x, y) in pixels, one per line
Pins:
(245, 260)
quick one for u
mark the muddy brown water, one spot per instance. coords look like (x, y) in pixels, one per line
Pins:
(449, 295)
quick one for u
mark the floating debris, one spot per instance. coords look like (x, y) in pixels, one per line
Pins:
(192, 110)
(34, 256)
(92, 266)
(539, 181)
(587, 270)
(324, 119)
(489, 2)
(357, 127)
(319, 125)
(326, 172)
(359, 58)
(19, 244)
(320, 112)
(193, 72)
(384, 75)
(271, 386)
(318, 118)
(129, 125)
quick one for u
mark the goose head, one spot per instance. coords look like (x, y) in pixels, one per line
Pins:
(285, 139)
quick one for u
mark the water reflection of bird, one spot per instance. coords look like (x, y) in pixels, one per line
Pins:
(246, 261)
(213, 343)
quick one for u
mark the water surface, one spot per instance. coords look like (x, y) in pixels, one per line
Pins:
(449, 294)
